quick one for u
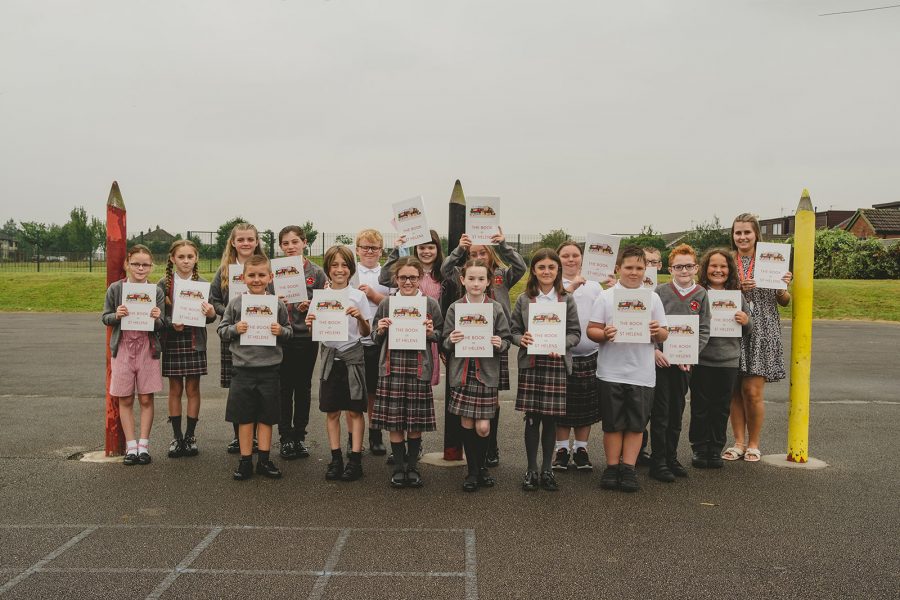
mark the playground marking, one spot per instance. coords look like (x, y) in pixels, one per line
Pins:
(324, 577)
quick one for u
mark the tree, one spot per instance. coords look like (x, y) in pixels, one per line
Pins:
(310, 232)
(708, 234)
(267, 240)
(76, 234)
(98, 234)
(224, 232)
(10, 230)
(648, 238)
(343, 238)
(553, 239)
(34, 234)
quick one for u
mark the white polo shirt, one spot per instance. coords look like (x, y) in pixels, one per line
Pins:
(634, 364)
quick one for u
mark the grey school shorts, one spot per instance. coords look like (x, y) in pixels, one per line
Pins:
(254, 395)
(624, 406)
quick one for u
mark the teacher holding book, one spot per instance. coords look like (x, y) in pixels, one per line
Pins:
(762, 353)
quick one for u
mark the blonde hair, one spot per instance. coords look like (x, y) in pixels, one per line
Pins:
(195, 274)
(229, 253)
(370, 234)
(493, 261)
(256, 261)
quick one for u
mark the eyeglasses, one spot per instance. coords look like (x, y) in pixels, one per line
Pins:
(140, 265)
(682, 267)
(654, 263)
(409, 278)
(369, 248)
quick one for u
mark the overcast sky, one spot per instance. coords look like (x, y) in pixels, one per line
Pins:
(585, 115)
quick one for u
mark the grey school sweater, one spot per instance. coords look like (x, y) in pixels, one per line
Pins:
(198, 334)
(252, 356)
(695, 303)
(518, 327)
(108, 317)
(488, 372)
(315, 280)
(502, 280)
(723, 351)
(426, 366)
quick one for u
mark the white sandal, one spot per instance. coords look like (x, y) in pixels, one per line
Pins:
(754, 452)
(733, 453)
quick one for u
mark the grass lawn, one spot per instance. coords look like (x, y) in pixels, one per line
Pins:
(84, 292)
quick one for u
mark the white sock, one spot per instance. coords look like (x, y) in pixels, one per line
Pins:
(562, 444)
(580, 445)
(143, 444)
(131, 447)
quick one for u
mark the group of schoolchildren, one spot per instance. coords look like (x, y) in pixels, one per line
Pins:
(624, 386)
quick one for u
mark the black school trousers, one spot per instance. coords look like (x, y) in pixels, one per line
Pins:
(711, 389)
(296, 386)
(666, 414)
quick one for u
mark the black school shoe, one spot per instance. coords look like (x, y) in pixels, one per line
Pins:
(233, 447)
(561, 460)
(268, 469)
(352, 471)
(144, 458)
(548, 481)
(609, 479)
(190, 446)
(335, 469)
(661, 472)
(470, 484)
(414, 478)
(530, 482)
(485, 479)
(176, 448)
(628, 481)
(677, 468)
(130, 459)
(399, 479)
(288, 451)
(492, 458)
(582, 460)
(714, 460)
(700, 460)
(301, 449)
(244, 470)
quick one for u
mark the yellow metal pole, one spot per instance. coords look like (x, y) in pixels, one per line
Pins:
(801, 330)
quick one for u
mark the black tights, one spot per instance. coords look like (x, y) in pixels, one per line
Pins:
(547, 439)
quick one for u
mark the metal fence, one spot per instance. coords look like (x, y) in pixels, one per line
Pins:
(210, 254)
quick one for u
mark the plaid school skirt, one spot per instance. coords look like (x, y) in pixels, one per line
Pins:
(474, 400)
(179, 357)
(226, 367)
(542, 388)
(504, 371)
(403, 402)
(582, 393)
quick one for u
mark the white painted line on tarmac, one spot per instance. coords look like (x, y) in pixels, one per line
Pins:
(44, 561)
(322, 582)
(471, 566)
(166, 583)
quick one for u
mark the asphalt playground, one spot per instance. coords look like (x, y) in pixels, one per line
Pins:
(183, 528)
